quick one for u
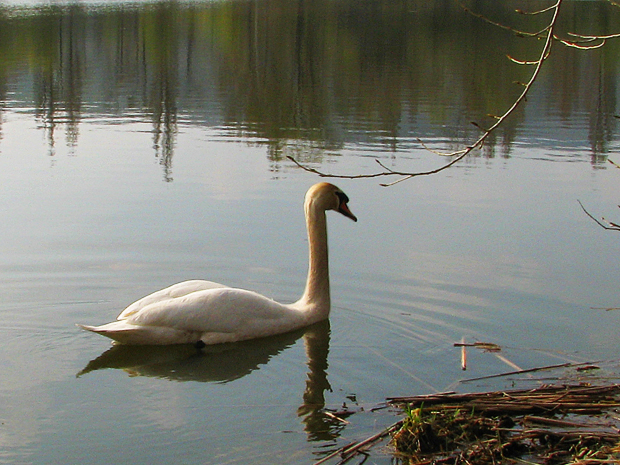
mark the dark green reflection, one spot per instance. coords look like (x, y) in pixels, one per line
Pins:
(322, 73)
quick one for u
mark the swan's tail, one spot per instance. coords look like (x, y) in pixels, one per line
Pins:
(127, 333)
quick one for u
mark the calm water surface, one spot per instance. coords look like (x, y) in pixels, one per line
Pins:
(145, 144)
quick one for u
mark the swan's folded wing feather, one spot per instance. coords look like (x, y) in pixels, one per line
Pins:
(221, 310)
(127, 333)
(172, 292)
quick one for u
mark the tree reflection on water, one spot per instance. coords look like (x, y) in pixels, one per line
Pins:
(306, 77)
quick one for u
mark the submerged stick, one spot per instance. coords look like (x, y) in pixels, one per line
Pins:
(463, 355)
(351, 450)
(528, 370)
(487, 346)
(552, 422)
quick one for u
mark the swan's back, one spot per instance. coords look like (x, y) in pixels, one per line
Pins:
(223, 310)
(172, 292)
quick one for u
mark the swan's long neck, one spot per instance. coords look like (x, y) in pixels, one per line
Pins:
(316, 296)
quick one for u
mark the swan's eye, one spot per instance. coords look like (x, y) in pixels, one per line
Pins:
(342, 197)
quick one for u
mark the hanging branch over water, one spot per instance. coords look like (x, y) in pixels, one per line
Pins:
(603, 222)
(583, 42)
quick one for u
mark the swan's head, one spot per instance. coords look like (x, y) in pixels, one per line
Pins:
(326, 196)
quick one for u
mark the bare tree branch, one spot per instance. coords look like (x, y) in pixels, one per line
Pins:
(511, 29)
(613, 163)
(603, 223)
(443, 154)
(579, 41)
(582, 45)
(581, 36)
(537, 12)
(460, 154)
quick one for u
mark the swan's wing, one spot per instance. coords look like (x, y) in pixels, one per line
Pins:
(172, 292)
(126, 333)
(236, 312)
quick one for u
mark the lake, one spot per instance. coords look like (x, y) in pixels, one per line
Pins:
(146, 143)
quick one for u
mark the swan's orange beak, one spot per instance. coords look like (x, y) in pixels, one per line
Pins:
(344, 209)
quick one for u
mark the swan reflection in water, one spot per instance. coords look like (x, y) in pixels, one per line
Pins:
(227, 362)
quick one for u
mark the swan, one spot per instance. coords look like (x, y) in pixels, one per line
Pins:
(206, 313)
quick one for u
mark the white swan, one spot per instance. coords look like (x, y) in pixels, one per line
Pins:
(205, 312)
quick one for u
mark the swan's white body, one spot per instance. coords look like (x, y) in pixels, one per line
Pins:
(194, 311)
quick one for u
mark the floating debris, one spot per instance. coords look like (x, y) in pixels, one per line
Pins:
(571, 424)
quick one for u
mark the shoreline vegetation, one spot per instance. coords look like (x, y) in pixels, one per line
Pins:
(571, 421)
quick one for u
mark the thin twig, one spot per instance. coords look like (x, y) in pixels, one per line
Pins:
(335, 417)
(581, 46)
(486, 346)
(529, 370)
(609, 225)
(579, 41)
(537, 12)
(349, 451)
(511, 29)
(544, 54)
(581, 36)
(443, 154)
(554, 422)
